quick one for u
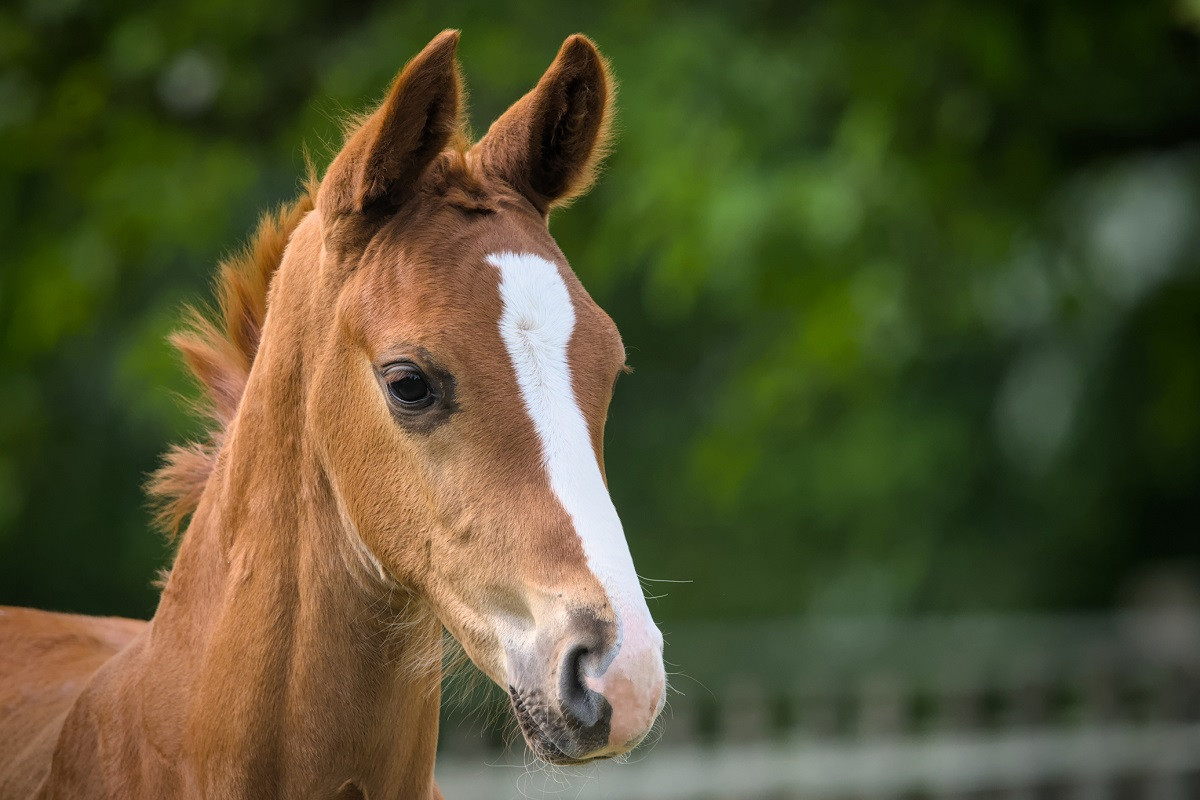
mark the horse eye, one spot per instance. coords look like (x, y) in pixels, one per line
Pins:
(409, 388)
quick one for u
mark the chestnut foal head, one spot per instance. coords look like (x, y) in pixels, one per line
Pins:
(458, 389)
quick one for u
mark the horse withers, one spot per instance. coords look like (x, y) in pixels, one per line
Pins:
(409, 387)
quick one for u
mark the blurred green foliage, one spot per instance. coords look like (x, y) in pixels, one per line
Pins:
(912, 290)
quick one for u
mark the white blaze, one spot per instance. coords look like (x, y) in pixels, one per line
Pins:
(536, 325)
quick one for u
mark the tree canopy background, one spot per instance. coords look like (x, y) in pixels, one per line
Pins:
(912, 291)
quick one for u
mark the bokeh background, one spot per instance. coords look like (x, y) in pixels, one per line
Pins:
(912, 291)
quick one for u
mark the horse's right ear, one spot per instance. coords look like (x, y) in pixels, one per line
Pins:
(382, 160)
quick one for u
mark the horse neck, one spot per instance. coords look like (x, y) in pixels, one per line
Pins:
(296, 668)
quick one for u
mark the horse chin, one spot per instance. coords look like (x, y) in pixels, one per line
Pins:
(550, 736)
(550, 753)
(547, 750)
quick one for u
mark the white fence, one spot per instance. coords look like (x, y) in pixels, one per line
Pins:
(1034, 707)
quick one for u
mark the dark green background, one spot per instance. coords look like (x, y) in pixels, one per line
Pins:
(911, 289)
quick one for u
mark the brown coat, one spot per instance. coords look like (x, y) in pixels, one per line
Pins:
(334, 528)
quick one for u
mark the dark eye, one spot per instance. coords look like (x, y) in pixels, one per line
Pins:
(409, 387)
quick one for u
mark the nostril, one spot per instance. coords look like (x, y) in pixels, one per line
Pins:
(586, 707)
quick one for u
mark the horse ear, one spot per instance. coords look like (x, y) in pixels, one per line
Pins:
(550, 142)
(384, 157)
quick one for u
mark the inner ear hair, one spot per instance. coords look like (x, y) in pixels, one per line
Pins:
(570, 133)
(550, 143)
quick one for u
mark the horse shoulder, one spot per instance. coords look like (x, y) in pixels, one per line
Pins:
(46, 660)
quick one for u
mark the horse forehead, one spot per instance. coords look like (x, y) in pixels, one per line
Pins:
(443, 287)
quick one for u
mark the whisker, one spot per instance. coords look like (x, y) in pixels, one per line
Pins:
(664, 580)
(696, 681)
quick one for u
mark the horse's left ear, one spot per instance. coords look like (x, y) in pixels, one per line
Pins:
(550, 142)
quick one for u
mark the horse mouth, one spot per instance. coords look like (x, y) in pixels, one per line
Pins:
(546, 732)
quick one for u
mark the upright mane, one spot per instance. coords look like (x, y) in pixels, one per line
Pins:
(218, 345)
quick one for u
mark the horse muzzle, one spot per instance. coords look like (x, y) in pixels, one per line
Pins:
(592, 691)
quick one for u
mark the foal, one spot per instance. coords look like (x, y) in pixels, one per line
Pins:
(410, 436)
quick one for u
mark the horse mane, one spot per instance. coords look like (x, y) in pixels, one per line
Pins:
(218, 346)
